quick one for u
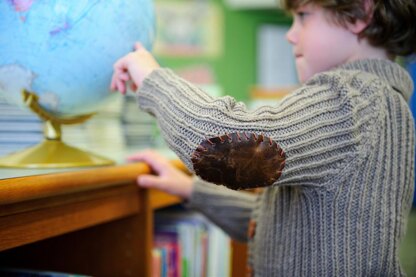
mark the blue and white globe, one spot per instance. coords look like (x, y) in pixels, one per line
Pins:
(64, 50)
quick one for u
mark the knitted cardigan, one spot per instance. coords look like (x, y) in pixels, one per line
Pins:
(340, 207)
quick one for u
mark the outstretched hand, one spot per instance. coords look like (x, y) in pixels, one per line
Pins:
(168, 179)
(132, 69)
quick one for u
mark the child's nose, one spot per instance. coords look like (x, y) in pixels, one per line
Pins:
(291, 35)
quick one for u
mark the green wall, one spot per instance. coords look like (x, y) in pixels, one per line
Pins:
(236, 68)
(238, 71)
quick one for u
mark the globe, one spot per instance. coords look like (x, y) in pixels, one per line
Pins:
(63, 51)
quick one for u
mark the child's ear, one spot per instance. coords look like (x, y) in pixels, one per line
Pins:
(360, 24)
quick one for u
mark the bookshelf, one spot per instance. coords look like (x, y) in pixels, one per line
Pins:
(92, 221)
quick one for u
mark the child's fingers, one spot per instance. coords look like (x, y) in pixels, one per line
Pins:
(133, 86)
(118, 74)
(156, 161)
(143, 155)
(136, 157)
(112, 84)
(120, 86)
(124, 76)
(138, 46)
(150, 181)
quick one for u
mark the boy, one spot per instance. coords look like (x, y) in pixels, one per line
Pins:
(339, 207)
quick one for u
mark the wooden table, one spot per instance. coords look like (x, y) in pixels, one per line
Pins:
(91, 221)
(94, 221)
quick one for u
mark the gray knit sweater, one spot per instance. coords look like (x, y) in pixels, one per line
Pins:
(341, 204)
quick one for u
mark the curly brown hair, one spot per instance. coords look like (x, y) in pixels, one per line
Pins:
(391, 26)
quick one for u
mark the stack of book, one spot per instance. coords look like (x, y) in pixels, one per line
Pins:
(139, 128)
(19, 128)
(187, 244)
(102, 133)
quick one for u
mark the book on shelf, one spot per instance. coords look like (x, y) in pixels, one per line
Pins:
(167, 244)
(188, 244)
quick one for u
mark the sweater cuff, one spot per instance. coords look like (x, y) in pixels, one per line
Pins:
(228, 209)
(201, 191)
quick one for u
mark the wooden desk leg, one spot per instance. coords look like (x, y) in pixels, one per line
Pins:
(145, 235)
(239, 259)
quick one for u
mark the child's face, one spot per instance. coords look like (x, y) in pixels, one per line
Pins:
(318, 43)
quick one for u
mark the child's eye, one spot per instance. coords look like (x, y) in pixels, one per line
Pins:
(301, 15)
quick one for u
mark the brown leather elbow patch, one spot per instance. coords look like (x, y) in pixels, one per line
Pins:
(239, 160)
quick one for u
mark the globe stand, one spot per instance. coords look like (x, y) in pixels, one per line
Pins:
(52, 152)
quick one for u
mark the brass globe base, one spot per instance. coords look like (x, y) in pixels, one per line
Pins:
(52, 154)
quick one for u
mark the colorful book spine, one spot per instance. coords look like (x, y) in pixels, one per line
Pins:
(192, 246)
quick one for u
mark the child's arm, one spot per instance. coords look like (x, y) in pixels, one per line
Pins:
(228, 209)
(320, 127)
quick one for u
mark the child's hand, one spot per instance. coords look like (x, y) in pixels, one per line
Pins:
(169, 179)
(133, 68)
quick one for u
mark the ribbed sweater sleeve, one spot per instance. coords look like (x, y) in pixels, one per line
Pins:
(318, 126)
(229, 209)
